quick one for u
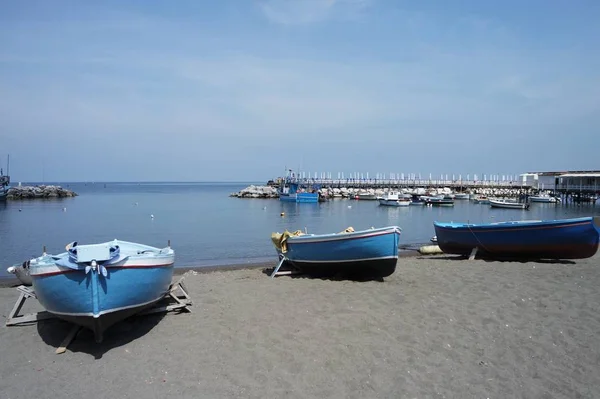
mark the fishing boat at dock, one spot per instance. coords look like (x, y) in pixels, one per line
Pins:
(439, 201)
(481, 199)
(372, 252)
(576, 238)
(366, 196)
(393, 198)
(97, 285)
(496, 203)
(291, 190)
(543, 199)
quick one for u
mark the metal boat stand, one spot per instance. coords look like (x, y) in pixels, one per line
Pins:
(276, 271)
(473, 253)
(171, 301)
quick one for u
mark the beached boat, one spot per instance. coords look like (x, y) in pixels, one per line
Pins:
(393, 198)
(97, 285)
(372, 252)
(495, 203)
(540, 239)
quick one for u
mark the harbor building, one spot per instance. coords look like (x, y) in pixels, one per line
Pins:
(578, 184)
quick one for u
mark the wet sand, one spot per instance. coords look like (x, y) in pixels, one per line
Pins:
(438, 327)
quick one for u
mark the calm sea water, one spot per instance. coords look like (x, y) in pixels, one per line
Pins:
(207, 227)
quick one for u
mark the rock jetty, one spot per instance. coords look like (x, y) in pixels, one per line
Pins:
(32, 192)
(351, 192)
(256, 192)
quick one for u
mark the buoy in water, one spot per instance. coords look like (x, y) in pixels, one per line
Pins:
(151, 216)
(282, 214)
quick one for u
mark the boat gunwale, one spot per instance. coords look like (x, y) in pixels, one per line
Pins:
(518, 225)
(314, 238)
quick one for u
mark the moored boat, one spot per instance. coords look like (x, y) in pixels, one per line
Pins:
(393, 198)
(372, 252)
(540, 239)
(97, 285)
(495, 203)
(292, 190)
(461, 196)
(366, 196)
(437, 201)
(542, 198)
(481, 199)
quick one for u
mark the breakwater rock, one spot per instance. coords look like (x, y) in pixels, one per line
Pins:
(256, 192)
(32, 192)
(351, 192)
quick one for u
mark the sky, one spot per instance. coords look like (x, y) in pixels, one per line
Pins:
(239, 90)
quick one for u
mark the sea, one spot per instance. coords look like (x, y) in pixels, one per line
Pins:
(207, 227)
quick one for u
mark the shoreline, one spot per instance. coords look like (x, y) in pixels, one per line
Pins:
(10, 281)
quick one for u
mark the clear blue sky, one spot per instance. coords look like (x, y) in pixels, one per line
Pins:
(237, 90)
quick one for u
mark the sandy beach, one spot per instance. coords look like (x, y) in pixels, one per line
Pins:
(437, 328)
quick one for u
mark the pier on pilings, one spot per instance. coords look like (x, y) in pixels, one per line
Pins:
(408, 184)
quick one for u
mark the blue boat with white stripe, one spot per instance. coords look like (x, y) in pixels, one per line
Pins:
(373, 251)
(576, 238)
(97, 285)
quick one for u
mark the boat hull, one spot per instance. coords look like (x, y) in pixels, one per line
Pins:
(387, 202)
(96, 294)
(306, 198)
(97, 302)
(556, 239)
(369, 252)
(545, 200)
(509, 205)
(366, 197)
(440, 202)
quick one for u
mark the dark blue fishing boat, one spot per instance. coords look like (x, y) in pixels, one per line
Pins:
(534, 239)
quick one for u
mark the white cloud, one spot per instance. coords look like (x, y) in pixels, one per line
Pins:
(300, 12)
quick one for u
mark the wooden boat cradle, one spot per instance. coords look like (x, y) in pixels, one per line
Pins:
(171, 301)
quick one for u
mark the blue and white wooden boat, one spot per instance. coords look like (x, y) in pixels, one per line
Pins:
(372, 252)
(539, 239)
(97, 285)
